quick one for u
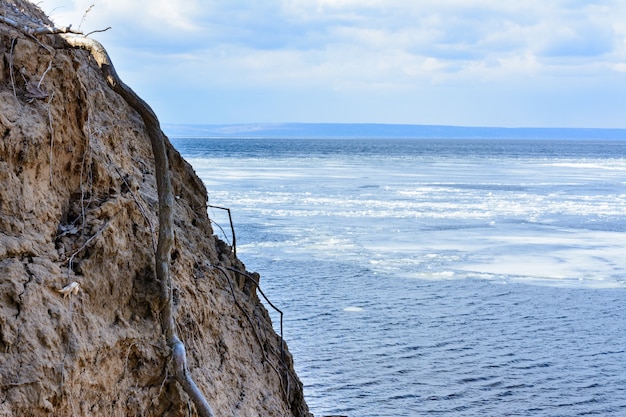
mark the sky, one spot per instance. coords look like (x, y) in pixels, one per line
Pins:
(531, 63)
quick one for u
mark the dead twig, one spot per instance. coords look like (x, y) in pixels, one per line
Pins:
(44, 73)
(11, 66)
(70, 260)
(126, 361)
(142, 210)
(232, 228)
(222, 229)
(51, 133)
(33, 88)
(88, 132)
(36, 31)
(82, 20)
(97, 31)
(34, 92)
(33, 32)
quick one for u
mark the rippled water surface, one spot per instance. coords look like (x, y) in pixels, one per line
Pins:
(430, 277)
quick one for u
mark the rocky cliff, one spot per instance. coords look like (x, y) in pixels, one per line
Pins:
(78, 203)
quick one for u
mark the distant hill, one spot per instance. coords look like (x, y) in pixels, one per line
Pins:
(373, 130)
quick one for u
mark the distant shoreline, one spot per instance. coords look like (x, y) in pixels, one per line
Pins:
(383, 131)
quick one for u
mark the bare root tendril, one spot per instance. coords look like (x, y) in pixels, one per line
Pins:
(165, 242)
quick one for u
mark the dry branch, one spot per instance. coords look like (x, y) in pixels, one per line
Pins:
(232, 227)
(11, 66)
(35, 31)
(70, 260)
(51, 132)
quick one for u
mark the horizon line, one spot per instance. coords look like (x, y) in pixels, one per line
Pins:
(295, 130)
(276, 124)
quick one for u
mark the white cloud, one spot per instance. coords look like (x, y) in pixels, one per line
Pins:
(351, 46)
(151, 15)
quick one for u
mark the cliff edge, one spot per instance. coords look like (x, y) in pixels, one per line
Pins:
(78, 203)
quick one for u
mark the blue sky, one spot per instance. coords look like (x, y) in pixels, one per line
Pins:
(532, 63)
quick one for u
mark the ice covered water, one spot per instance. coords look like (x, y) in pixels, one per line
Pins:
(420, 276)
(510, 210)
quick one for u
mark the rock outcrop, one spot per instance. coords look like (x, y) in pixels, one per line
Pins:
(78, 203)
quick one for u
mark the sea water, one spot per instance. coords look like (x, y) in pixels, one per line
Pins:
(436, 277)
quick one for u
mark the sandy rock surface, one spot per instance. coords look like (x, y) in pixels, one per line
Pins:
(78, 203)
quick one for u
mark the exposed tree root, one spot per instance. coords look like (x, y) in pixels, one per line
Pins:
(164, 190)
(166, 202)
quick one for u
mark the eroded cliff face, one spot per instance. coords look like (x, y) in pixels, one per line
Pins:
(78, 203)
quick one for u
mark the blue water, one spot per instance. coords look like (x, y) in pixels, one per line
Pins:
(436, 277)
